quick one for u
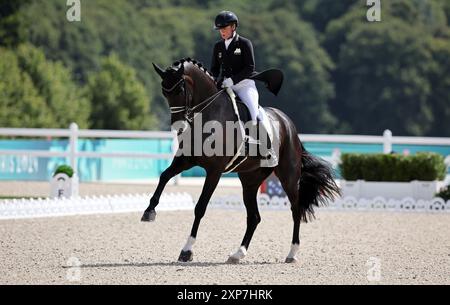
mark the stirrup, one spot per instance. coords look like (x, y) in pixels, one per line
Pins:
(251, 140)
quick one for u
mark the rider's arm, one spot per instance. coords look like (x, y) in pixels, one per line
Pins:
(249, 61)
(215, 63)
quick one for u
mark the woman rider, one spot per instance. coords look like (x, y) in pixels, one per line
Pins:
(233, 59)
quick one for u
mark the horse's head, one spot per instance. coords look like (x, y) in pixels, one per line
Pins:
(185, 84)
(174, 86)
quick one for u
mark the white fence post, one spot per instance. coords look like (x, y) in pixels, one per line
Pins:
(387, 141)
(73, 146)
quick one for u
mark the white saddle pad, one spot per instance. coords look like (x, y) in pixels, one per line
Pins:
(272, 132)
(262, 115)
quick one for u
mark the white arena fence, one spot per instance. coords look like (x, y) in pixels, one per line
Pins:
(30, 208)
(34, 208)
(49, 207)
(73, 133)
(407, 204)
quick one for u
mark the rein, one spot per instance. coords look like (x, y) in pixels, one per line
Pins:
(189, 114)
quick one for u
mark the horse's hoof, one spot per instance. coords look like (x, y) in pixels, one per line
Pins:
(291, 260)
(186, 256)
(233, 260)
(149, 216)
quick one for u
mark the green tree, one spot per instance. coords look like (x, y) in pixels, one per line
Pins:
(118, 98)
(76, 44)
(304, 38)
(55, 85)
(321, 12)
(428, 15)
(440, 87)
(12, 28)
(383, 79)
(306, 66)
(337, 30)
(20, 102)
(420, 20)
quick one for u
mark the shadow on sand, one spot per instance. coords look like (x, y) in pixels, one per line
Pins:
(169, 264)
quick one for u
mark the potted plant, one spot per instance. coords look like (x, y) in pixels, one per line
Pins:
(64, 182)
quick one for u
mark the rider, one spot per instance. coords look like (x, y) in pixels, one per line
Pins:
(233, 57)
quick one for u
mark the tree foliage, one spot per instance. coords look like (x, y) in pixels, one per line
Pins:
(38, 93)
(342, 73)
(119, 100)
(20, 101)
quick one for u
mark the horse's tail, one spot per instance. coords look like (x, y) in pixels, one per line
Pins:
(316, 186)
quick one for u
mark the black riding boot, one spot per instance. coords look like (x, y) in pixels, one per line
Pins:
(251, 139)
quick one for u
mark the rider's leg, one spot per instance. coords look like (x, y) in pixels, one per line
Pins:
(248, 93)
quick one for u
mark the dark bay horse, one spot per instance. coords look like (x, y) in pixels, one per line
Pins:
(307, 180)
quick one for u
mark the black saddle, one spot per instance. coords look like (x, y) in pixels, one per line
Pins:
(245, 117)
(244, 113)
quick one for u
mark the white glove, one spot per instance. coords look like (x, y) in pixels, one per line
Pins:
(227, 83)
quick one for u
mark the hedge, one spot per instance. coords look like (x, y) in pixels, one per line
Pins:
(425, 166)
(444, 193)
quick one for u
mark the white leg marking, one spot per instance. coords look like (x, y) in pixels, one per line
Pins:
(294, 250)
(240, 253)
(189, 243)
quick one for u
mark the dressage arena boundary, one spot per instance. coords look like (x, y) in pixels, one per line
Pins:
(52, 207)
(349, 203)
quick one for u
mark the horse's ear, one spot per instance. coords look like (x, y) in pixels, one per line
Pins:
(159, 70)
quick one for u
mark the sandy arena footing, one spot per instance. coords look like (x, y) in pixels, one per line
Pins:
(336, 248)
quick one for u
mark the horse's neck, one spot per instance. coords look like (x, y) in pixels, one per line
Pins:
(203, 89)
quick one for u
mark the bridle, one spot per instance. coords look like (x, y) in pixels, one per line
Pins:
(189, 111)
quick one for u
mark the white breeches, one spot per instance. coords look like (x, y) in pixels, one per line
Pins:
(248, 93)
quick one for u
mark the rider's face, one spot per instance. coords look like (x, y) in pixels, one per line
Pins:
(227, 32)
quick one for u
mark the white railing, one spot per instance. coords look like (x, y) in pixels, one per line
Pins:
(74, 133)
(387, 139)
(348, 203)
(125, 203)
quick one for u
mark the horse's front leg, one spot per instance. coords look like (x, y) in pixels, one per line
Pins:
(212, 179)
(178, 165)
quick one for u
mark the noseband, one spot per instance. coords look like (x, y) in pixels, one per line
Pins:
(189, 111)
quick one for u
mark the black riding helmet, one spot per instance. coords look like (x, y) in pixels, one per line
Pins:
(224, 19)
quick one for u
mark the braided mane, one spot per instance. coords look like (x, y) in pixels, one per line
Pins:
(176, 65)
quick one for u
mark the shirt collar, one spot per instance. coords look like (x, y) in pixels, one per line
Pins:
(228, 41)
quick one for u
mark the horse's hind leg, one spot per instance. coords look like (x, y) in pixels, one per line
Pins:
(250, 184)
(288, 171)
(178, 165)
